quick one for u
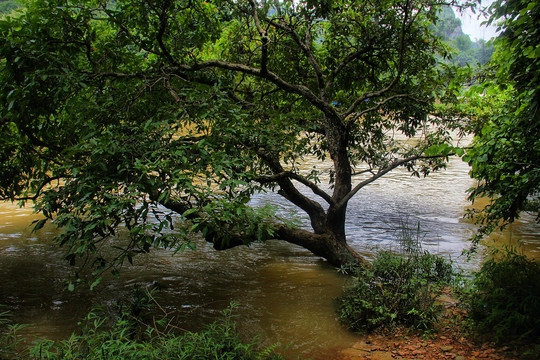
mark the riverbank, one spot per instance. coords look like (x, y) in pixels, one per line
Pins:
(451, 339)
(405, 346)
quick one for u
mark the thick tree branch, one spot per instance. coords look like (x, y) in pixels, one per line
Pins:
(43, 184)
(337, 253)
(219, 241)
(272, 178)
(264, 38)
(316, 190)
(36, 141)
(163, 23)
(301, 90)
(304, 46)
(301, 179)
(291, 193)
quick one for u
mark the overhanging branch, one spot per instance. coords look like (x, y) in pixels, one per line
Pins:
(301, 90)
(43, 184)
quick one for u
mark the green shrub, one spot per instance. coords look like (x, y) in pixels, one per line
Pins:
(132, 330)
(505, 298)
(395, 290)
(135, 329)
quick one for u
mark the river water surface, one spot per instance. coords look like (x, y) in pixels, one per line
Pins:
(284, 293)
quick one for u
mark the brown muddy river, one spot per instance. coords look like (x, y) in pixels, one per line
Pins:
(284, 293)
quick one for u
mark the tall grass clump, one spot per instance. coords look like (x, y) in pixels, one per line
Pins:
(504, 299)
(9, 341)
(136, 335)
(399, 288)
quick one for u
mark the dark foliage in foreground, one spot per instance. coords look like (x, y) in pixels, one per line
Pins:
(135, 330)
(505, 299)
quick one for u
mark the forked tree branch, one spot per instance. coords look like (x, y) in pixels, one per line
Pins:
(301, 179)
(304, 46)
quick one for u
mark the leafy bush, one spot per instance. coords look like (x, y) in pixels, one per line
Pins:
(135, 330)
(505, 298)
(394, 290)
(397, 289)
(132, 330)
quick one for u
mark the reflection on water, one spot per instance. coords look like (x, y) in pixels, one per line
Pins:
(285, 292)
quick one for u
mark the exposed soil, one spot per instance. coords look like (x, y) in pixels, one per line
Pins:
(445, 345)
(449, 340)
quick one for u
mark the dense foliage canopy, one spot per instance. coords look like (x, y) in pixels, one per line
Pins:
(119, 114)
(505, 156)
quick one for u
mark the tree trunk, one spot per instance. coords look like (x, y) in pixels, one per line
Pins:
(329, 246)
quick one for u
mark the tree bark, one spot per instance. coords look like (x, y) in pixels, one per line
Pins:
(327, 245)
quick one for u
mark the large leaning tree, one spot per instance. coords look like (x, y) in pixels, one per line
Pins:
(125, 116)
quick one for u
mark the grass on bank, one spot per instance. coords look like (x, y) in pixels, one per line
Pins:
(9, 341)
(133, 334)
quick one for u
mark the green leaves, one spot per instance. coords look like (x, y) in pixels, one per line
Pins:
(504, 298)
(444, 150)
(131, 335)
(397, 290)
(505, 154)
(118, 114)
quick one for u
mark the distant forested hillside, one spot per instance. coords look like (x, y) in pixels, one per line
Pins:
(467, 51)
